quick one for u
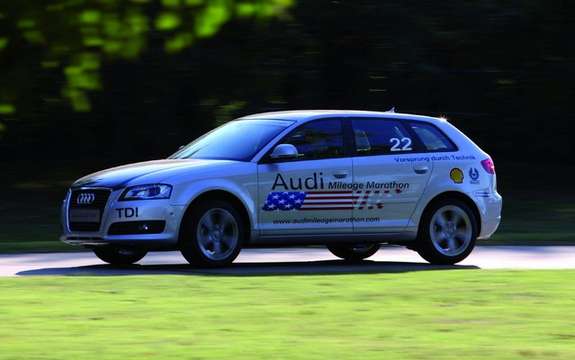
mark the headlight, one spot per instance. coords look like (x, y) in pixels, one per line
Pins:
(147, 192)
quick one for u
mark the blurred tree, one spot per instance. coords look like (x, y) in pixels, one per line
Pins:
(501, 71)
(76, 37)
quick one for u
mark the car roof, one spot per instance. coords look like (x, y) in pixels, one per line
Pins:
(306, 115)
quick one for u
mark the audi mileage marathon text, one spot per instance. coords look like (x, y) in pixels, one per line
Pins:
(317, 182)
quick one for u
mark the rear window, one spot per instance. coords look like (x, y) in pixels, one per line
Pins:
(431, 137)
(379, 137)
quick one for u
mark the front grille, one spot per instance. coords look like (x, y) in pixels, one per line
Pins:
(86, 208)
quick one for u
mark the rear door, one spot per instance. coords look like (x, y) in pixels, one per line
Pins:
(390, 173)
(311, 194)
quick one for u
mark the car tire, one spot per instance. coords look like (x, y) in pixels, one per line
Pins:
(447, 233)
(119, 256)
(355, 252)
(212, 234)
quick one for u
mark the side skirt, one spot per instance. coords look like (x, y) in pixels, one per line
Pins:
(323, 239)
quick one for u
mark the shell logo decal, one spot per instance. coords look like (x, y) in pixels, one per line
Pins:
(456, 175)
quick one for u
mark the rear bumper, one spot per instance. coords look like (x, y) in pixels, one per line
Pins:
(490, 208)
(147, 210)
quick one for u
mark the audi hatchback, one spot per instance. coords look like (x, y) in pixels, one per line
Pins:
(349, 180)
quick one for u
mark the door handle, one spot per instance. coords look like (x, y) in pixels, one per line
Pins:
(340, 174)
(421, 169)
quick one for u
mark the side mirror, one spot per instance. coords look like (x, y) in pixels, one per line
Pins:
(284, 151)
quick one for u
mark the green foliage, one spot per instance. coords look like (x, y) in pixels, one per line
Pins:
(77, 37)
(6, 109)
(168, 21)
(226, 112)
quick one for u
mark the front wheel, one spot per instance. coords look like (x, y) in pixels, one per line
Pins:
(212, 234)
(354, 252)
(119, 256)
(447, 233)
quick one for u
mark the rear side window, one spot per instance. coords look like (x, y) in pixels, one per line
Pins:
(377, 137)
(320, 139)
(432, 138)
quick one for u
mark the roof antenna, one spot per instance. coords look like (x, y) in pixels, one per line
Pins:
(392, 110)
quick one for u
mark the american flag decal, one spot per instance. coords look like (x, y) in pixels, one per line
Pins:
(323, 200)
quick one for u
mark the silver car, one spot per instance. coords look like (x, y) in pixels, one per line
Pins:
(349, 180)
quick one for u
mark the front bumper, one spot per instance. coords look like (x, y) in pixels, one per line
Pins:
(114, 212)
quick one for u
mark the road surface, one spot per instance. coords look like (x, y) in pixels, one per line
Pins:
(289, 261)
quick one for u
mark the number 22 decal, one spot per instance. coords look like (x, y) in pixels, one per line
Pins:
(403, 144)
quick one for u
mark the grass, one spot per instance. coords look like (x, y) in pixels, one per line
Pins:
(419, 315)
(535, 212)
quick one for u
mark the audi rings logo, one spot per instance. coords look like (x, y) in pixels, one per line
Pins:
(85, 198)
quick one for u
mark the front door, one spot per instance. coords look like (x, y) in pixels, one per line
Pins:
(313, 193)
(391, 174)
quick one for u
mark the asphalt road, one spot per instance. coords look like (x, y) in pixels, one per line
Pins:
(289, 261)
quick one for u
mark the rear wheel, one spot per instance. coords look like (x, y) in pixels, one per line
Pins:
(355, 252)
(212, 234)
(119, 256)
(447, 233)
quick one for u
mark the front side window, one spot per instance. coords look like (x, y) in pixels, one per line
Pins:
(236, 140)
(378, 137)
(432, 138)
(320, 139)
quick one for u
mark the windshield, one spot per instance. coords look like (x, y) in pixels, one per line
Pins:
(236, 140)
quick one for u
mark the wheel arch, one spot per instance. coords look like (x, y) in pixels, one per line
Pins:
(453, 195)
(222, 195)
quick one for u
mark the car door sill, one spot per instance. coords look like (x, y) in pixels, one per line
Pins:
(335, 238)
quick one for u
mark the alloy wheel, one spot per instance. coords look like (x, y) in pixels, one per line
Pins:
(450, 230)
(217, 234)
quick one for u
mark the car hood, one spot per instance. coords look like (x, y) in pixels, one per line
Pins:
(148, 172)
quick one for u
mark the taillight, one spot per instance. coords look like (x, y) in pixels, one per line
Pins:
(488, 165)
